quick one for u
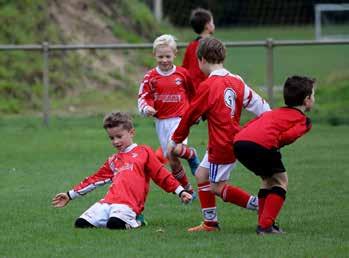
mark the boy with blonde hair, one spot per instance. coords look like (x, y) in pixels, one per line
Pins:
(165, 94)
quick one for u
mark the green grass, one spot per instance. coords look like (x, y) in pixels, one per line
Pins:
(37, 162)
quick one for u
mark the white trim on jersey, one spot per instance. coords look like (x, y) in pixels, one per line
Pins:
(74, 194)
(253, 102)
(165, 73)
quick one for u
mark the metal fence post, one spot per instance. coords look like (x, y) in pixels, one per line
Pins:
(270, 70)
(46, 100)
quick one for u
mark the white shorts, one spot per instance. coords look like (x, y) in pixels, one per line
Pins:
(99, 213)
(217, 172)
(165, 129)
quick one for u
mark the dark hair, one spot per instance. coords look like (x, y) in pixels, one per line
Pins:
(212, 50)
(296, 89)
(116, 119)
(199, 18)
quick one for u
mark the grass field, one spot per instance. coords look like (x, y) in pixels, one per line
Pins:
(38, 162)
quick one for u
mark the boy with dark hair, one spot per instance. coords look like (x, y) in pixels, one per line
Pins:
(202, 23)
(129, 171)
(257, 147)
(220, 98)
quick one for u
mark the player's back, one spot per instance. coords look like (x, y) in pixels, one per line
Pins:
(225, 98)
(267, 129)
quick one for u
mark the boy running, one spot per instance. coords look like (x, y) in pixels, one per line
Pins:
(165, 93)
(220, 98)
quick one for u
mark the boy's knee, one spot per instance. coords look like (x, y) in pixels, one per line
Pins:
(279, 191)
(82, 223)
(116, 223)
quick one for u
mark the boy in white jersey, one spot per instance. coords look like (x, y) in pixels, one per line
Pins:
(165, 94)
(129, 171)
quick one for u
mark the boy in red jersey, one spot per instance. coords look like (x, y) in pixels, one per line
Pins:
(129, 171)
(257, 147)
(165, 93)
(220, 98)
(201, 21)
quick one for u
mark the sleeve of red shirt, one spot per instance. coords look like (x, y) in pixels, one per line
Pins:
(103, 175)
(197, 108)
(190, 89)
(295, 132)
(159, 174)
(185, 62)
(145, 96)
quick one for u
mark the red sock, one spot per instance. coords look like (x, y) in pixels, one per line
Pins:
(180, 175)
(186, 152)
(272, 206)
(262, 194)
(208, 203)
(235, 195)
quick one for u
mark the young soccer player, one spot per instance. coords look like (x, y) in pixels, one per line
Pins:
(257, 147)
(129, 172)
(220, 98)
(165, 93)
(202, 23)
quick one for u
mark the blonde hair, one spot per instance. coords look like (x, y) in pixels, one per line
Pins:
(165, 40)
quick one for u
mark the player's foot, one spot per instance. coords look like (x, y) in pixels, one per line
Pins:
(204, 227)
(140, 219)
(273, 229)
(194, 162)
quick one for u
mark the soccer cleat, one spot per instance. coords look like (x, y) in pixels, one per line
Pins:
(273, 229)
(194, 162)
(204, 227)
(141, 221)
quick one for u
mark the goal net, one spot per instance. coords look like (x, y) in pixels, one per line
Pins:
(331, 21)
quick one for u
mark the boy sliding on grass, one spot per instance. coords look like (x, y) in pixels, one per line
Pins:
(129, 172)
(165, 93)
(220, 99)
(257, 147)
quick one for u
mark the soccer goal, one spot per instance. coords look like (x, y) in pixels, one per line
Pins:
(331, 21)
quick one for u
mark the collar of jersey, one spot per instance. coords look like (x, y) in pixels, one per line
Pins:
(219, 72)
(129, 148)
(165, 73)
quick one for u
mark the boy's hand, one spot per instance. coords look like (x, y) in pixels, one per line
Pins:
(60, 200)
(150, 111)
(186, 197)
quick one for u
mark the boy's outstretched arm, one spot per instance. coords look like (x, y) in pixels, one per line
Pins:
(60, 200)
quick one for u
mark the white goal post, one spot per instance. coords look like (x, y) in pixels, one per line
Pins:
(320, 19)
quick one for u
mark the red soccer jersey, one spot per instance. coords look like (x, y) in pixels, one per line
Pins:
(220, 98)
(169, 93)
(129, 173)
(190, 62)
(275, 128)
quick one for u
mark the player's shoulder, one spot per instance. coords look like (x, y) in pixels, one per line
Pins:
(145, 148)
(181, 69)
(152, 72)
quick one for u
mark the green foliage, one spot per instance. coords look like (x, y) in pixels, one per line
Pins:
(53, 159)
